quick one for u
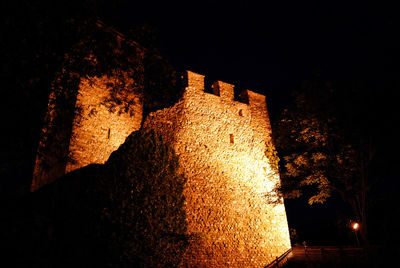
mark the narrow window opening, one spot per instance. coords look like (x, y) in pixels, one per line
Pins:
(231, 138)
(241, 112)
(108, 134)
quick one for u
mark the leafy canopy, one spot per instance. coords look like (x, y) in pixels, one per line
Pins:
(323, 139)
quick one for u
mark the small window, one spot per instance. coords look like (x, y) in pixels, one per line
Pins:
(231, 138)
(241, 112)
(109, 133)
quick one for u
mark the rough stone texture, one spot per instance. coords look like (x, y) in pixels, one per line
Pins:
(221, 145)
(79, 129)
(96, 132)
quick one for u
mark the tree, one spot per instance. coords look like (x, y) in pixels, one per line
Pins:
(328, 140)
(128, 212)
(144, 206)
(133, 73)
(49, 47)
(35, 35)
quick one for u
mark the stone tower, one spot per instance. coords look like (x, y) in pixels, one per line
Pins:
(95, 133)
(221, 146)
(80, 128)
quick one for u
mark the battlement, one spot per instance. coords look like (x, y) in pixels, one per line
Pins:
(226, 91)
(221, 142)
(219, 135)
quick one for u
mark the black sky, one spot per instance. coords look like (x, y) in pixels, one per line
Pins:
(271, 46)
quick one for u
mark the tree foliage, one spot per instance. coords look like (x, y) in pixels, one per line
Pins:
(145, 203)
(49, 47)
(128, 212)
(272, 155)
(305, 136)
(328, 140)
(35, 35)
(98, 52)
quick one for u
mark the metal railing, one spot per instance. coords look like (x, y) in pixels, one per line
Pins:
(280, 260)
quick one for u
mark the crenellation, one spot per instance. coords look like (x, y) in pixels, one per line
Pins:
(257, 99)
(221, 147)
(226, 91)
(194, 80)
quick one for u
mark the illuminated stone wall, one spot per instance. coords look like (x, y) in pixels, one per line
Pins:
(96, 132)
(221, 147)
(79, 127)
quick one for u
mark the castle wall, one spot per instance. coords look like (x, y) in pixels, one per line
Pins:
(53, 146)
(97, 131)
(221, 147)
(78, 128)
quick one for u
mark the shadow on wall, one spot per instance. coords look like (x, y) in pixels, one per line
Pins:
(127, 212)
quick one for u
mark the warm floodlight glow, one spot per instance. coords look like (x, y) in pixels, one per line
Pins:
(356, 226)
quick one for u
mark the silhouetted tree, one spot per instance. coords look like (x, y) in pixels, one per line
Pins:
(128, 212)
(145, 203)
(34, 37)
(328, 141)
(49, 47)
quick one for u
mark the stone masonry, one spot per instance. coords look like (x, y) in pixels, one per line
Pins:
(221, 146)
(96, 132)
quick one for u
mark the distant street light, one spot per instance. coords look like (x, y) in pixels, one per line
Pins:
(355, 227)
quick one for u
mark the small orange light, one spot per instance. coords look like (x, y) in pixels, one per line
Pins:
(355, 226)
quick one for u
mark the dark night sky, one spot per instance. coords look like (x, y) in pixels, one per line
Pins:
(271, 47)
